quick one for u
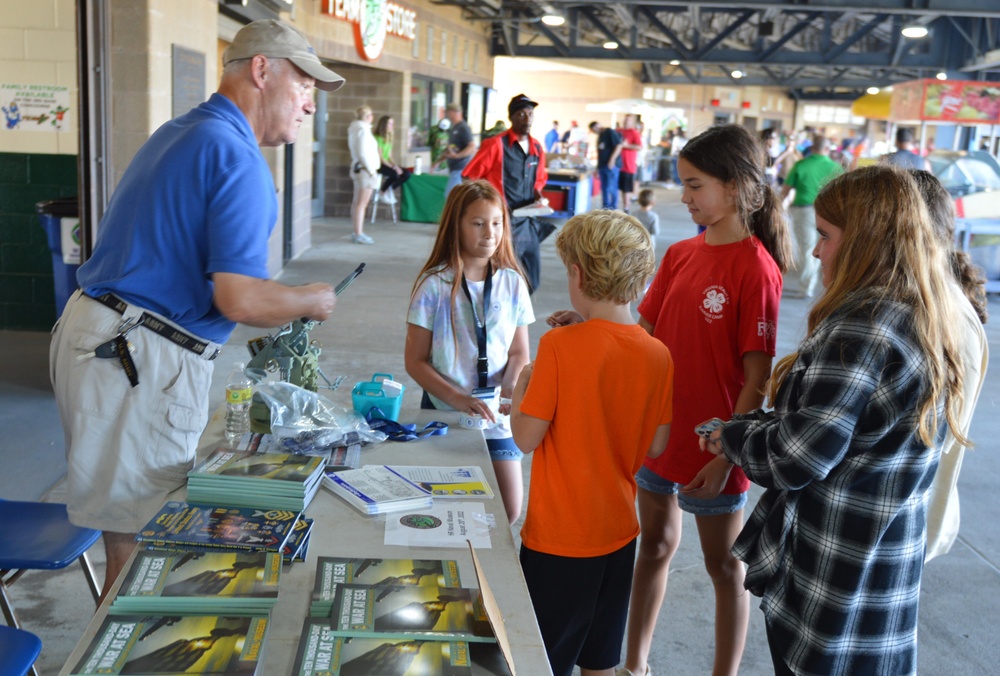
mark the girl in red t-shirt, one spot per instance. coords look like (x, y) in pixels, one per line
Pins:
(714, 303)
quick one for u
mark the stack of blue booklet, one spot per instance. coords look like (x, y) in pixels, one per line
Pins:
(170, 581)
(262, 480)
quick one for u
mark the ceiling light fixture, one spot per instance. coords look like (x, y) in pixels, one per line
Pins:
(737, 74)
(553, 20)
(611, 44)
(942, 76)
(872, 90)
(675, 62)
(914, 31)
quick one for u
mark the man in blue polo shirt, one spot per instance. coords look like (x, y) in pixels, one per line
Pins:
(181, 256)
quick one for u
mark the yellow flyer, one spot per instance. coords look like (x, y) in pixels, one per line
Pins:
(449, 482)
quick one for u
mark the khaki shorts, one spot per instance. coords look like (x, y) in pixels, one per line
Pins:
(363, 179)
(127, 447)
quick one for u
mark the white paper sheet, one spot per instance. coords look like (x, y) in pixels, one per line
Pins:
(448, 524)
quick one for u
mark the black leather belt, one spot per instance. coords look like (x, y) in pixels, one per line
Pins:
(160, 327)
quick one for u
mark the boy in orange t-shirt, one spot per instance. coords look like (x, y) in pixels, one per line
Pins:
(596, 401)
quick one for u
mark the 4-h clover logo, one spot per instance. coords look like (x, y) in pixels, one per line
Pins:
(714, 300)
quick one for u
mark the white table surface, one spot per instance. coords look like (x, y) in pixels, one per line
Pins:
(340, 530)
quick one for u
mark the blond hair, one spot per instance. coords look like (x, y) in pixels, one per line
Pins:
(614, 252)
(888, 245)
(361, 111)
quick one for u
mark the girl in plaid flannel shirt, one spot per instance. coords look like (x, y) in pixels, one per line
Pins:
(835, 546)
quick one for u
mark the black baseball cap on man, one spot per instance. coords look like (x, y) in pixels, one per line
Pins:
(518, 102)
(277, 40)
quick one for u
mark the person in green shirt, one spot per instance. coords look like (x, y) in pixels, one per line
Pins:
(805, 179)
(393, 175)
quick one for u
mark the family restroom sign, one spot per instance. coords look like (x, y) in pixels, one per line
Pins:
(30, 107)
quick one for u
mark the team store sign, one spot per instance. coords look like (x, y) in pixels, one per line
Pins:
(373, 20)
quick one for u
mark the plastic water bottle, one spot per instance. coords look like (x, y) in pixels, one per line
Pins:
(239, 391)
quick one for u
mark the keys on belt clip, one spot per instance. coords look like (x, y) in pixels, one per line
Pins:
(119, 348)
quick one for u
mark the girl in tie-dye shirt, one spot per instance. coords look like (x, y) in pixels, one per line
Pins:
(473, 262)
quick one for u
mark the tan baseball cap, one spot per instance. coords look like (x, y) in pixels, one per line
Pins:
(278, 40)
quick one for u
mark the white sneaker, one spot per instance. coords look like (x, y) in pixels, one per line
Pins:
(362, 239)
(388, 197)
(622, 671)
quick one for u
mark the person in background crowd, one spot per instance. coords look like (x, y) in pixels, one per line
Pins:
(835, 547)
(609, 146)
(642, 173)
(630, 147)
(785, 161)
(392, 174)
(770, 140)
(905, 156)
(181, 256)
(645, 214)
(498, 128)
(461, 146)
(514, 163)
(676, 145)
(806, 178)
(969, 294)
(805, 141)
(552, 138)
(575, 139)
(365, 162)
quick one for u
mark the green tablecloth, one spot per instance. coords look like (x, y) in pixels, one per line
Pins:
(423, 198)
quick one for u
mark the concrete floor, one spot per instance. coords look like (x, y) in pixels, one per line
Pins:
(960, 591)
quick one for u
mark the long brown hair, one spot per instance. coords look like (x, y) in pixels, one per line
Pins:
(942, 213)
(447, 251)
(382, 128)
(888, 244)
(733, 155)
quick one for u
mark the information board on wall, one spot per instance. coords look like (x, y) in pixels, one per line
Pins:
(188, 81)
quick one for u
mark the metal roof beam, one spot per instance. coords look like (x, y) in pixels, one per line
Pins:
(833, 54)
(789, 34)
(672, 37)
(972, 8)
(725, 33)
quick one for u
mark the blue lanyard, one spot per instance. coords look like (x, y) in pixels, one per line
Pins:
(482, 364)
(400, 432)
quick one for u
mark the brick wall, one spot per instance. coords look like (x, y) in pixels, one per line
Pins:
(27, 296)
(380, 90)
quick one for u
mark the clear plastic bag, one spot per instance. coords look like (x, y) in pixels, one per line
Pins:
(309, 419)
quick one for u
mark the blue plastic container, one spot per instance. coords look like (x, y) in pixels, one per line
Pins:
(371, 393)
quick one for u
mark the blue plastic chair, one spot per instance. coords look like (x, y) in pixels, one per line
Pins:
(19, 650)
(39, 536)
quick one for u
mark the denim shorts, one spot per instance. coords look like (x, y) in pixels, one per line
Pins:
(503, 448)
(724, 503)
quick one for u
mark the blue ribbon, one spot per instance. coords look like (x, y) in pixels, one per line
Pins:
(400, 432)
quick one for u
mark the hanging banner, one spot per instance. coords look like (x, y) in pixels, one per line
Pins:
(373, 21)
(946, 101)
(28, 107)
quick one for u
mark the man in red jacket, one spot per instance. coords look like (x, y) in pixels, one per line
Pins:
(514, 163)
